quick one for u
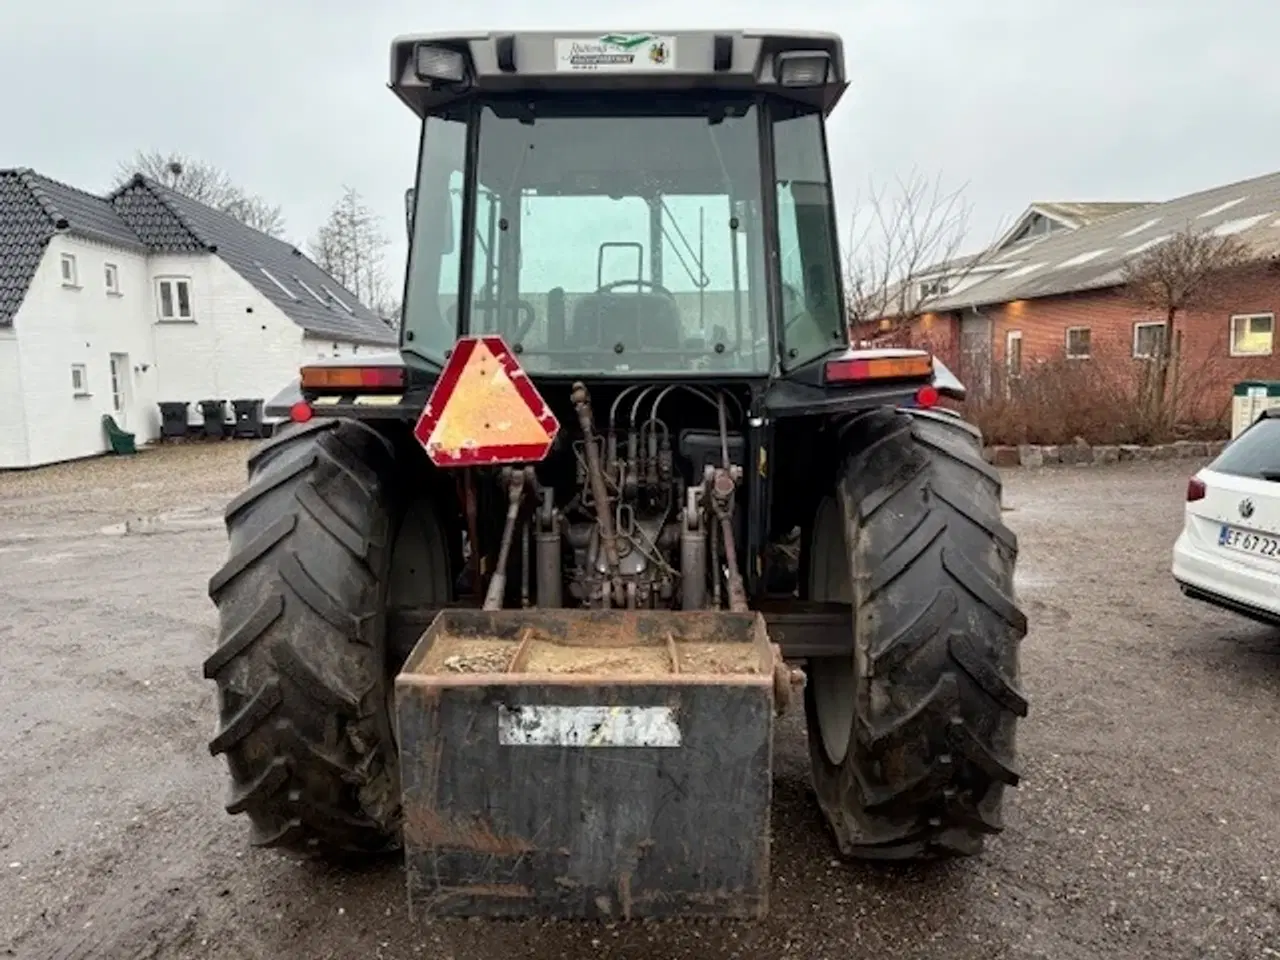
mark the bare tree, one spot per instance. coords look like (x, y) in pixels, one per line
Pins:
(391, 312)
(204, 183)
(1186, 270)
(904, 250)
(349, 246)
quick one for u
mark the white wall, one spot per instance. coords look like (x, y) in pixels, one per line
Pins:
(59, 326)
(237, 345)
(316, 347)
(13, 421)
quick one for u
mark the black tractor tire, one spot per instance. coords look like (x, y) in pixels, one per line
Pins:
(304, 686)
(912, 740)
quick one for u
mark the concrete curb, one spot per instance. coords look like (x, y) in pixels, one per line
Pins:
(1082, 454)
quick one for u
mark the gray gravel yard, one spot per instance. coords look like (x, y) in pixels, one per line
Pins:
(1148, 824)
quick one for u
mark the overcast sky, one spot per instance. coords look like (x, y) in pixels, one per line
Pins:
(1015, 100)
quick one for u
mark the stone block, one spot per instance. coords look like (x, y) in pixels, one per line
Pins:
(1005, 456)
(1030, 455)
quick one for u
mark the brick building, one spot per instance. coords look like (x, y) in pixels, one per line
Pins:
(1050, 292)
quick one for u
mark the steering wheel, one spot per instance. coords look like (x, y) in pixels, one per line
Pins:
(637, 282)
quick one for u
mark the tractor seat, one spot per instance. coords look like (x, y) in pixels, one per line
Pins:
(636, 320)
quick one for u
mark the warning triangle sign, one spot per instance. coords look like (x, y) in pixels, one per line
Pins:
(485, 410)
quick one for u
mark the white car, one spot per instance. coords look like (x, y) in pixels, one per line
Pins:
(1228, 553)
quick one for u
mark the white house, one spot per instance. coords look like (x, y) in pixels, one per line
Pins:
(112, 305)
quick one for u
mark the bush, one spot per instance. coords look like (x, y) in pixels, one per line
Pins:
(1106, 399)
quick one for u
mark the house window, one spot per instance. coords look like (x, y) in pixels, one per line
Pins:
(119, 371)
(1252, 334)
(112, 275)
(935, 288)
(79, 380)
(1148, 340)
(1078, 343)
(68, 270)
(1013, 352)
(174, 298)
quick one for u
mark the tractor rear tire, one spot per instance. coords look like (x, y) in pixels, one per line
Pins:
(301, 665)
(912, 739)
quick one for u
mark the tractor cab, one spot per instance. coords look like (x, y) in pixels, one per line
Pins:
(636, 205)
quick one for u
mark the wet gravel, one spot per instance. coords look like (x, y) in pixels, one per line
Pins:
(1148, 824)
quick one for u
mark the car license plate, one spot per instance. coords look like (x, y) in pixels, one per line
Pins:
(1246, 541)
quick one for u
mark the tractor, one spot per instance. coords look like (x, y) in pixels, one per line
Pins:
(625, 421)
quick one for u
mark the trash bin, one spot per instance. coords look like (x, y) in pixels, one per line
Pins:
(248, 417)
(215, 418)
(174, 420)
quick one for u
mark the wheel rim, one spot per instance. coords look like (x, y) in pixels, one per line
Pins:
(833, 680)
(834, 692)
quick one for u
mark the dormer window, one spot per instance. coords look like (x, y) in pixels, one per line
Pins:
(935, 288)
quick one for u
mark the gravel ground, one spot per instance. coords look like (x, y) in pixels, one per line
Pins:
(1148, 824)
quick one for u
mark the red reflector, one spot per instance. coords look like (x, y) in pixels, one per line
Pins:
(301, 412)
(485, 410)
(927, 397)
(1195, 489)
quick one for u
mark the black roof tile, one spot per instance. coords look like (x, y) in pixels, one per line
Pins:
(25, 229)
(337, 313)
(147, 216)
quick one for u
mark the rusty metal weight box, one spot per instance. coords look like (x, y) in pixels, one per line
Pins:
(588, 764)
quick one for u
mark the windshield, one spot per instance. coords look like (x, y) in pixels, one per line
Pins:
(609, 239)
(623, 244)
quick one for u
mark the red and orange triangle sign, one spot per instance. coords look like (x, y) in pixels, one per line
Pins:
(485, 410)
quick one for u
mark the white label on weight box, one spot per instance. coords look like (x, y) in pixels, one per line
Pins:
(545, 726)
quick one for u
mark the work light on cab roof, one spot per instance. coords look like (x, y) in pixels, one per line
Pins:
(428, 69)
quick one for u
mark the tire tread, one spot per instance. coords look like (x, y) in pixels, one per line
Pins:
(933, 743)
(300, 664)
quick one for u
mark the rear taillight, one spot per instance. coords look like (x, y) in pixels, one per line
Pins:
(927, 397)
(352, 378)
(301, 412)
(859, 369)
(1195, 489)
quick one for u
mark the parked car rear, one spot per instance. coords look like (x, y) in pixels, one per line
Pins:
(1228, 553)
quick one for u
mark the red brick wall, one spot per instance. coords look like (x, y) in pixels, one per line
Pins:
(938, 333)
(1207, 371)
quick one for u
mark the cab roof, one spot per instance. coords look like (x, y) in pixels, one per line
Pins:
(594, 63)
